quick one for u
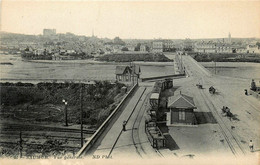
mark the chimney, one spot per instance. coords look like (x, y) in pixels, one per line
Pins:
(180, 92)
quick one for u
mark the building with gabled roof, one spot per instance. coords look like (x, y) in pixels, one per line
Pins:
(181, 110)
(127, 73)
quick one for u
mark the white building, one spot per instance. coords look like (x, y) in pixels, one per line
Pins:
(142, 48)
(157, 46)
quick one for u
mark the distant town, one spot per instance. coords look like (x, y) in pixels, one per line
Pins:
(57, 46)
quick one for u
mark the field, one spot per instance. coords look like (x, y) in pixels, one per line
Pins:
(37, 111)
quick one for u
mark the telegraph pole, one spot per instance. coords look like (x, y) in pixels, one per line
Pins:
(215, 67)
(81, 116)
(181, 64)
(20, 147)
(133, 73)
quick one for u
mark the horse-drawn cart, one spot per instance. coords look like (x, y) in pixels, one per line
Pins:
(199, 86)
(212, 90)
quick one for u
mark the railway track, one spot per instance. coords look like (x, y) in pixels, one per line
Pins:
(220, 102)
(126, 122)
(231, 140)
(38, 135)
(135, 130)
(233, 143)
(20, 127)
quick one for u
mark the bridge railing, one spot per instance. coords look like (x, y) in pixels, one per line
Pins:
(162, 77)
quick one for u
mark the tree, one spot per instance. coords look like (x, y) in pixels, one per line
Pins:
(137, 48)
(124, 49)
(118, 41)
(147, 48)
(258, 44)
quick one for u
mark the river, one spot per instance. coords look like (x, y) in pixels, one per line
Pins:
(244, 70)
(73, 69)
(88, 70)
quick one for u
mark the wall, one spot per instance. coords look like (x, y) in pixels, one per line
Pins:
(161, 77)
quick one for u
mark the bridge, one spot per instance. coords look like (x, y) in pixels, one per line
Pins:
(223, 136)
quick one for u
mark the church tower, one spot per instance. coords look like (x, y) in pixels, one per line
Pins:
(229, 38)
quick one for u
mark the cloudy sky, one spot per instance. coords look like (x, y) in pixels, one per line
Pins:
(139, 19)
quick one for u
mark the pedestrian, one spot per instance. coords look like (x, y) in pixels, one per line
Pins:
(251, 146)
(124, 124)
(246, 92)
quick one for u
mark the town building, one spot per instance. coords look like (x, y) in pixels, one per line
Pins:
(213, 47)
(218, 47)
(127, 73)
(49, 32)
(181, 110)
(253, 48)
(142, 48)
(163, 46)
(168, 46)
(157, 46)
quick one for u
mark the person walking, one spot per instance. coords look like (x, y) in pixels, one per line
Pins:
(251, 146)
(124, 124)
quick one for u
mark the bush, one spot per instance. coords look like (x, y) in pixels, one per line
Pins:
(95, 98)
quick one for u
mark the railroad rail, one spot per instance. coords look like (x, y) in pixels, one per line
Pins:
(114, 144)
(135, 128)
(231, 140)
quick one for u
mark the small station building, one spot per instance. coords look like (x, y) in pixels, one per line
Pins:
(180, 110)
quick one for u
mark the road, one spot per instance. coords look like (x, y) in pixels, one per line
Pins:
(230, 92)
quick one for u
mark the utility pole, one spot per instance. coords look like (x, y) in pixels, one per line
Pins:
(181, 64)
(215, 67)
(133, 73)
(81, 116)
(20, 145)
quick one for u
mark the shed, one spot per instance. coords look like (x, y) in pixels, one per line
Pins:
(181, 110)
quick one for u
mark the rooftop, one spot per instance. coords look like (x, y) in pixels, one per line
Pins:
(154, 96)
(181, 101)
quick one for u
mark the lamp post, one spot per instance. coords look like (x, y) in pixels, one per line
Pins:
(215, 66)
(65, 112)
(138, 74)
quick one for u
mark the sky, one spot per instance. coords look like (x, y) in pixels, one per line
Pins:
(138, 19)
